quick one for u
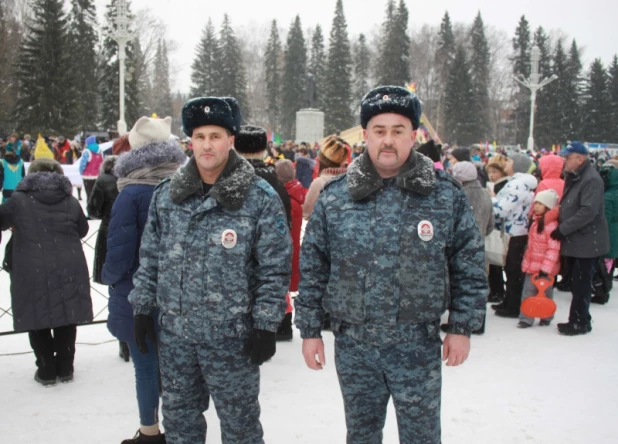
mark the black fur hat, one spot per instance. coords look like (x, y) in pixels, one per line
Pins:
(251, 139)
(208, 111)
(390, 99)
(235, 107)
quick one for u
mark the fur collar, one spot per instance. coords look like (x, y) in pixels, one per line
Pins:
(45, 181)
(230, 190)
(417, 174)
(151, 155)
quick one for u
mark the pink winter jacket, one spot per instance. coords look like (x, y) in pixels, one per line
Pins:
(543, 252)
(551, 168)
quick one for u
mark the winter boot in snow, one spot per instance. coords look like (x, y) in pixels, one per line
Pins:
(285, 333)
(124, 352)
(504, 313)
(570, 329)
(601, 300)
(544, 323)
(44, 382)
(499, 306)
(66, 378)
(495, 298)
(523, 324)
(139, 438)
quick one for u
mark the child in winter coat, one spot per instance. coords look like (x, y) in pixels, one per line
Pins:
(542, 255)
(90, 164)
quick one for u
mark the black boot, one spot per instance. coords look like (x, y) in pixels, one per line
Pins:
(495, 298)
(44, 382)
(571, 329)
(143, 439)
(285, 332)
(500, 306)
(601, 300)
(504, 313)
(124, 352)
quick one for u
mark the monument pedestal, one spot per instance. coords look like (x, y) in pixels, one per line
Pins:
(309, 125)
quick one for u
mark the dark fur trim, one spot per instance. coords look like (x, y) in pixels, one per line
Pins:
(230, 189)
(45, 181)
(151, 155)
(417, 174)
(108, 165)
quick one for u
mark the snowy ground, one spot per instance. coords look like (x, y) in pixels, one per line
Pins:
(530, 386)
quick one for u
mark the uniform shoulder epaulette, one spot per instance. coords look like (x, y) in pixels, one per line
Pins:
(163, 182)
(441, 174)
(265, 186)
(335, 180)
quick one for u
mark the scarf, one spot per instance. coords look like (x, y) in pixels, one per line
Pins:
(148, 175)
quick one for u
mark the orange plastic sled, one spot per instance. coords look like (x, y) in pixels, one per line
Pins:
(540, 306)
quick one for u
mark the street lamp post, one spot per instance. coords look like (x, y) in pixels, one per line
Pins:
(534, 84)
(122, 35)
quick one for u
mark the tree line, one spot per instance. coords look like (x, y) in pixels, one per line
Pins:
(59, 73)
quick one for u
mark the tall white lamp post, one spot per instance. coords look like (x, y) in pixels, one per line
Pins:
(534, 84)
(122, 35)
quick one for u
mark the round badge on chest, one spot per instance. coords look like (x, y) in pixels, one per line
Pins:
(229, 238)
(425, 230)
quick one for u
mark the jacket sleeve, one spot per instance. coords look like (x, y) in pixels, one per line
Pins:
(144, 296)
(505, 202)
(491, 223)
(552, 255)
(122, 239)
(6, 215)
(466, 263)
(312, 196)
(97, 199)
(82, 222)
(273, 258)
(83, 163)
(314, 275)
(590, 201)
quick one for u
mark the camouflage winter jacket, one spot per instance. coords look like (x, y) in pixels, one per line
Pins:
(217, 261)
(384, 255)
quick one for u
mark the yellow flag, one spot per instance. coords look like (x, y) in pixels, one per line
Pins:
(41, 150)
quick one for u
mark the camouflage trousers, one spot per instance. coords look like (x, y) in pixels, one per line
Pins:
(190, 372)
(410, 372)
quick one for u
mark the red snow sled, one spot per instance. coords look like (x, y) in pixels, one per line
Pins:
(540, 306)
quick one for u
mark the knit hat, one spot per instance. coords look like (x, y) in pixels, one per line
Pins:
(390, 99)
(92, 145)
(285, 170)
(431, 150)
(497, 161)
(148, 130)
(461, 154)
(251, 139)
(334, 152)
(45, 165)
(521, 162)
(208, 111)
(549, 198)
(465, 171)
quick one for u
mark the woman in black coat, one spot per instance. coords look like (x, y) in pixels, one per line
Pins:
(50, 288)
(102, 199)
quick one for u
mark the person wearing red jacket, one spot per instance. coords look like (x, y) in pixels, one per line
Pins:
(287, 176)
(542, 256)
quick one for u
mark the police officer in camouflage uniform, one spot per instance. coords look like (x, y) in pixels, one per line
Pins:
(215, 262)
(389, 247)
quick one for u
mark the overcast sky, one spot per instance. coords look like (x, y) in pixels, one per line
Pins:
(591, 22)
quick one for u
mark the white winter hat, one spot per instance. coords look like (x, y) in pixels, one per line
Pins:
(147, 130)
(549, 198)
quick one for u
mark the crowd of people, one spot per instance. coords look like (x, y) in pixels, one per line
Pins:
(200, 247)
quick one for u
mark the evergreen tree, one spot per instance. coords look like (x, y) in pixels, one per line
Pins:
(393, 64)
(84, 67)
(459, 94)
(558, 93)
(577, 86)
(109, 86)
(317, 64)
(612, 86)
(46, 101)
(521, 68)
(10, 42)
(361, 70)
(273, 64)
(479, 70)
(140, 71)
(543, 115)
(161, 82)
(445, 55)
(597, 105)
(206, 67)
(294, 78)
(338, 82)
(233, 78)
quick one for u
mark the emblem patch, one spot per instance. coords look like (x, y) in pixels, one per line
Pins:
(207, 109)
(229, 238)
(280, 225)
(425, 230)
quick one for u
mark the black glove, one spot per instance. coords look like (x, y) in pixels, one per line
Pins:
(557, 235)
(143, 326)
(261, 346)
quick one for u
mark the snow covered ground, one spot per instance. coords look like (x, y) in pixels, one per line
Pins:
(530, 386)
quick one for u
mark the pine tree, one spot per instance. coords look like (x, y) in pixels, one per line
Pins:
(109, 86)
(84, 40)
(479, 70)
(361, 70)
(612, 86)
(317, 64)
(206, 67)
(577, 85)
(46, 101)
(459, 94)
(233, 78)
(597, 105)
(10, 42)
(294, 78)
(543, 115)
(161, 82)
(445, 55)
(521, 68)
(273, 64)
(338, 81)
(393, 64)
(558, 93)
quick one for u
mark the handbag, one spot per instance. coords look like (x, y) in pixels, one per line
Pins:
(497, 247)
